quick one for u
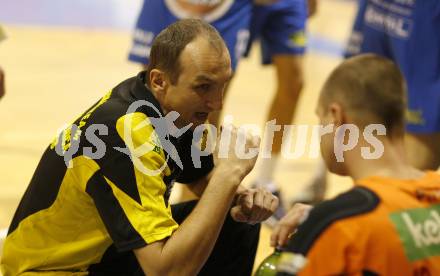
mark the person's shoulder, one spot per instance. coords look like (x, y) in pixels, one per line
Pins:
(115, 103)
(357, 201)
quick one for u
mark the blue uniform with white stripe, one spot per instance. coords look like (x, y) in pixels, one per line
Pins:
(408, 32)
(231, 18)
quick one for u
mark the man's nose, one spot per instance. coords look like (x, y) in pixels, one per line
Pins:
(215, 102)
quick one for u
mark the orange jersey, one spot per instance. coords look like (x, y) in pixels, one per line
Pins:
(383, 226)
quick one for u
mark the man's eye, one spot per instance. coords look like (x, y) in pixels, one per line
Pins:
(203, 87)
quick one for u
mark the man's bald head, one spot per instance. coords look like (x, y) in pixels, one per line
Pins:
(371, 89)
(169, 44)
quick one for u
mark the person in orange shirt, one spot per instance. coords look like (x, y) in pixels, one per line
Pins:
(389, 223)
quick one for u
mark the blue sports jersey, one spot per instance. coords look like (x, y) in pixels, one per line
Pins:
(231, 18)
(408, 32)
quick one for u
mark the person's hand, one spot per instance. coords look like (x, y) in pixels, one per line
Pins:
(2, 83)
(237, 154)
(254, 205)
(312, 7)
(288, 224)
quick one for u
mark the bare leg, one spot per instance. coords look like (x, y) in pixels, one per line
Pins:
(289, 72)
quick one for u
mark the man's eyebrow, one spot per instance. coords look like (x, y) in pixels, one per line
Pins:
(204, 78)
(208, 78)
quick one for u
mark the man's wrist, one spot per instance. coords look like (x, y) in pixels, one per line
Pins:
(231, 174)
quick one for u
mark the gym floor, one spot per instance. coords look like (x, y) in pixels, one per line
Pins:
(61, 56)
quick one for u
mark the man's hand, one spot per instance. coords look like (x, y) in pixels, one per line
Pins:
(2, 83)
(228, 161)
(254, 205)
(288, 224)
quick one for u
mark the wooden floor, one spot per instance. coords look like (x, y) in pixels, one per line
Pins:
(54, 73)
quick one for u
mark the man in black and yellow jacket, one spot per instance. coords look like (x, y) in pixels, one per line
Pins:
(98, 201)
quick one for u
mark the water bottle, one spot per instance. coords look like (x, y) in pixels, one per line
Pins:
(269, 266)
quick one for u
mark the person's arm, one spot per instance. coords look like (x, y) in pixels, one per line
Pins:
(285, 228)
(311, 253)
(188, 248)
(249, 205)
(328, 234)
(319, 239)
(198, 186)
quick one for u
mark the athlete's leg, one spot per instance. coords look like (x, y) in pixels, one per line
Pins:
(289, 72)
(290, 80)
(283, 45)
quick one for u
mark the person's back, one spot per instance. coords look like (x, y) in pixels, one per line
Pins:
(405, 235)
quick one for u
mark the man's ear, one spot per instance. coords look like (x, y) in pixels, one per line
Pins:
(158, 81)
(338, 114)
